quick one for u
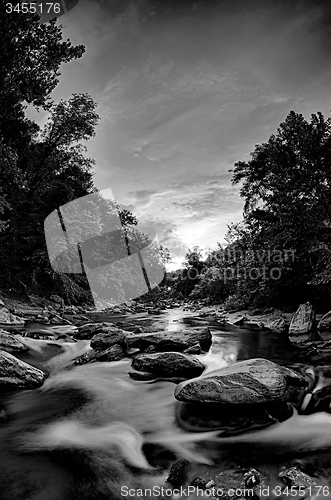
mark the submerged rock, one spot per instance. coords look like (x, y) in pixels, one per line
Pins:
(17, 373)
(168, 364)
(302, 323)
(171, 341)
(9, 341)
(252, 381)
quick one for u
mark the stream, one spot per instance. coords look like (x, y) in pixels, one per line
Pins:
(93, 433)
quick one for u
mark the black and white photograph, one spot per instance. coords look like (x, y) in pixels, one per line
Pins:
(165, 249)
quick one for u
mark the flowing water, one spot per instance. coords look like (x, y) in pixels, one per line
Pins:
(91, 431)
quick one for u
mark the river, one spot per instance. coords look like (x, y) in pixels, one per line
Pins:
(91, 430)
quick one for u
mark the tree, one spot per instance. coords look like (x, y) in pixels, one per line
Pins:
(287, 188)
(31, 55)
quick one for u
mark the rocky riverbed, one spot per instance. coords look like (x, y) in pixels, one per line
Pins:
(232, 402)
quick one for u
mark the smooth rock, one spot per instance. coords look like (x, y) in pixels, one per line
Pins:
(9, 341)
(171, 341)
(324, 327)
(252, 381)
(17, 373)
(302, 323)
(168, 364)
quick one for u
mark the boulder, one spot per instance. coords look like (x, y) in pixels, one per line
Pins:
(168, 364)
(324, 327)
(113, 353)
(86, 332)
(9, 341)
(302, 323)
(101, 341)
(15, 373)
(251, 381)
(171, 341)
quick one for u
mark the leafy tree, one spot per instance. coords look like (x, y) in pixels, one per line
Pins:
(40, 170)
(287, 188)
(31, 55)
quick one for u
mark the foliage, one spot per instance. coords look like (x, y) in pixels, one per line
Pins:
(42, 170)
(287, 188)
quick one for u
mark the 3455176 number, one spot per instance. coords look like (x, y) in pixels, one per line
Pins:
(34, 7)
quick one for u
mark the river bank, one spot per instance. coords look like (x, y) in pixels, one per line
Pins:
(24, 306)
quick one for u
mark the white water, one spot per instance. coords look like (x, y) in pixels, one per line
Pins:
(79, 435)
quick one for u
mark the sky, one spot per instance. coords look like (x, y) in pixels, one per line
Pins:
(184, 90)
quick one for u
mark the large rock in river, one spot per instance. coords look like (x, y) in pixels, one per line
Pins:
(14, 373)
(324, 327)
(171, 341)
(252, 381)
(302, 323)
(10, 342)
(168, 364)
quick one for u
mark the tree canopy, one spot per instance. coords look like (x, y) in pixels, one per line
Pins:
(42, 170)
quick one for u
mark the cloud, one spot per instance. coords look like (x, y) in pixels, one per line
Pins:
(189, 212)
(186, 89)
